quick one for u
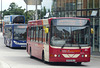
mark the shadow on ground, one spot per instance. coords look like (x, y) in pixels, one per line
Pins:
(58, 63)
(18, 48)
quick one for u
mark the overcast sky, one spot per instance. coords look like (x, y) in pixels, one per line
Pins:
(6, 3)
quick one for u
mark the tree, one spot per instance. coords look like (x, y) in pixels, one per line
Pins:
(29, 15)
(44, 11)
(14, 10)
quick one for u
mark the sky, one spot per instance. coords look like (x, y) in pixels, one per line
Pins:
(6, 3)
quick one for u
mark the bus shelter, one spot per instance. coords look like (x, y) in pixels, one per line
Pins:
(33, 2)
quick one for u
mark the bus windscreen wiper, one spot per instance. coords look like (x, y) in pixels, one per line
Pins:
(63, 45)
(78, 42)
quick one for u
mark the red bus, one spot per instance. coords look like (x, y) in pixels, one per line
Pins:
(60, 39)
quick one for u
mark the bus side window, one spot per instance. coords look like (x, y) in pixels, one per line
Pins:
(44, 36)
(37, 34)
(9, 32)
(40, 34)
(31, 37)
(34, 33)
(29, 30)
(47, 37)
(5, 31)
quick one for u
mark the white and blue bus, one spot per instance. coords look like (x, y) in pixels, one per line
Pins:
(15, 35)
(13, 19)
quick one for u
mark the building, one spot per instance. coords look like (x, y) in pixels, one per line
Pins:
(81, 8)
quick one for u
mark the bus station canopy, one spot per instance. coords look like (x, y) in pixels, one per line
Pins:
(33, 2)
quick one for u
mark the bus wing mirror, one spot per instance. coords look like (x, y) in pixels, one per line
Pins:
(92, 31)
(46, 30)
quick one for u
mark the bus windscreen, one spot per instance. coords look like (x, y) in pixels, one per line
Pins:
(19, 19)
(20, 32)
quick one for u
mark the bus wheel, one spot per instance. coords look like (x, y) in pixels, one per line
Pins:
(79, 63)
(27, 47)
(30, 53)
(6, 45)
(43, 57)
(10, 45)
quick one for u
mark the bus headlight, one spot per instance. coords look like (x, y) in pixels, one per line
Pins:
(55, 55)
(59, 55)
(15, 42)
(82, 55)
(85, 55)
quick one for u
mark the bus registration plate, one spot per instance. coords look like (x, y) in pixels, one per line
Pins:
(70, 60)
(23, 46)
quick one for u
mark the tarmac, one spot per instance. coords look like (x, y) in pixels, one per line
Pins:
(95, 54)
(4, 65)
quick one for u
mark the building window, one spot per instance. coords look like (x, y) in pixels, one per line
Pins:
(70, 14)
(67, 14)
(84, 4)
(74, 13)
(99, 12)
(99, 3)
(90, 4)
(78, 13)
(84, 13)
(89, 13)
(62, 14)
(95, 3)
(70, 6)
(79, 4)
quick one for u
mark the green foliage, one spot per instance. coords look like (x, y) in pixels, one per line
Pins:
(29, 15)
(42, 13)
(14, 10)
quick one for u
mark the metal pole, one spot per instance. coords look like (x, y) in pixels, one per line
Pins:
(1, 15)
(36, 10)
(26, 12)
(41, 11)
(94, 34)
(99, 35)
(99, 28)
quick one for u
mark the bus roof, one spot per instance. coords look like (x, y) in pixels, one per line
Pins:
(14, 24)
(13, 15)
(69, 18)
(60, 18)
(46, 21)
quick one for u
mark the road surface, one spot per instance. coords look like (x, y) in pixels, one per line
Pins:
(18, 58)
